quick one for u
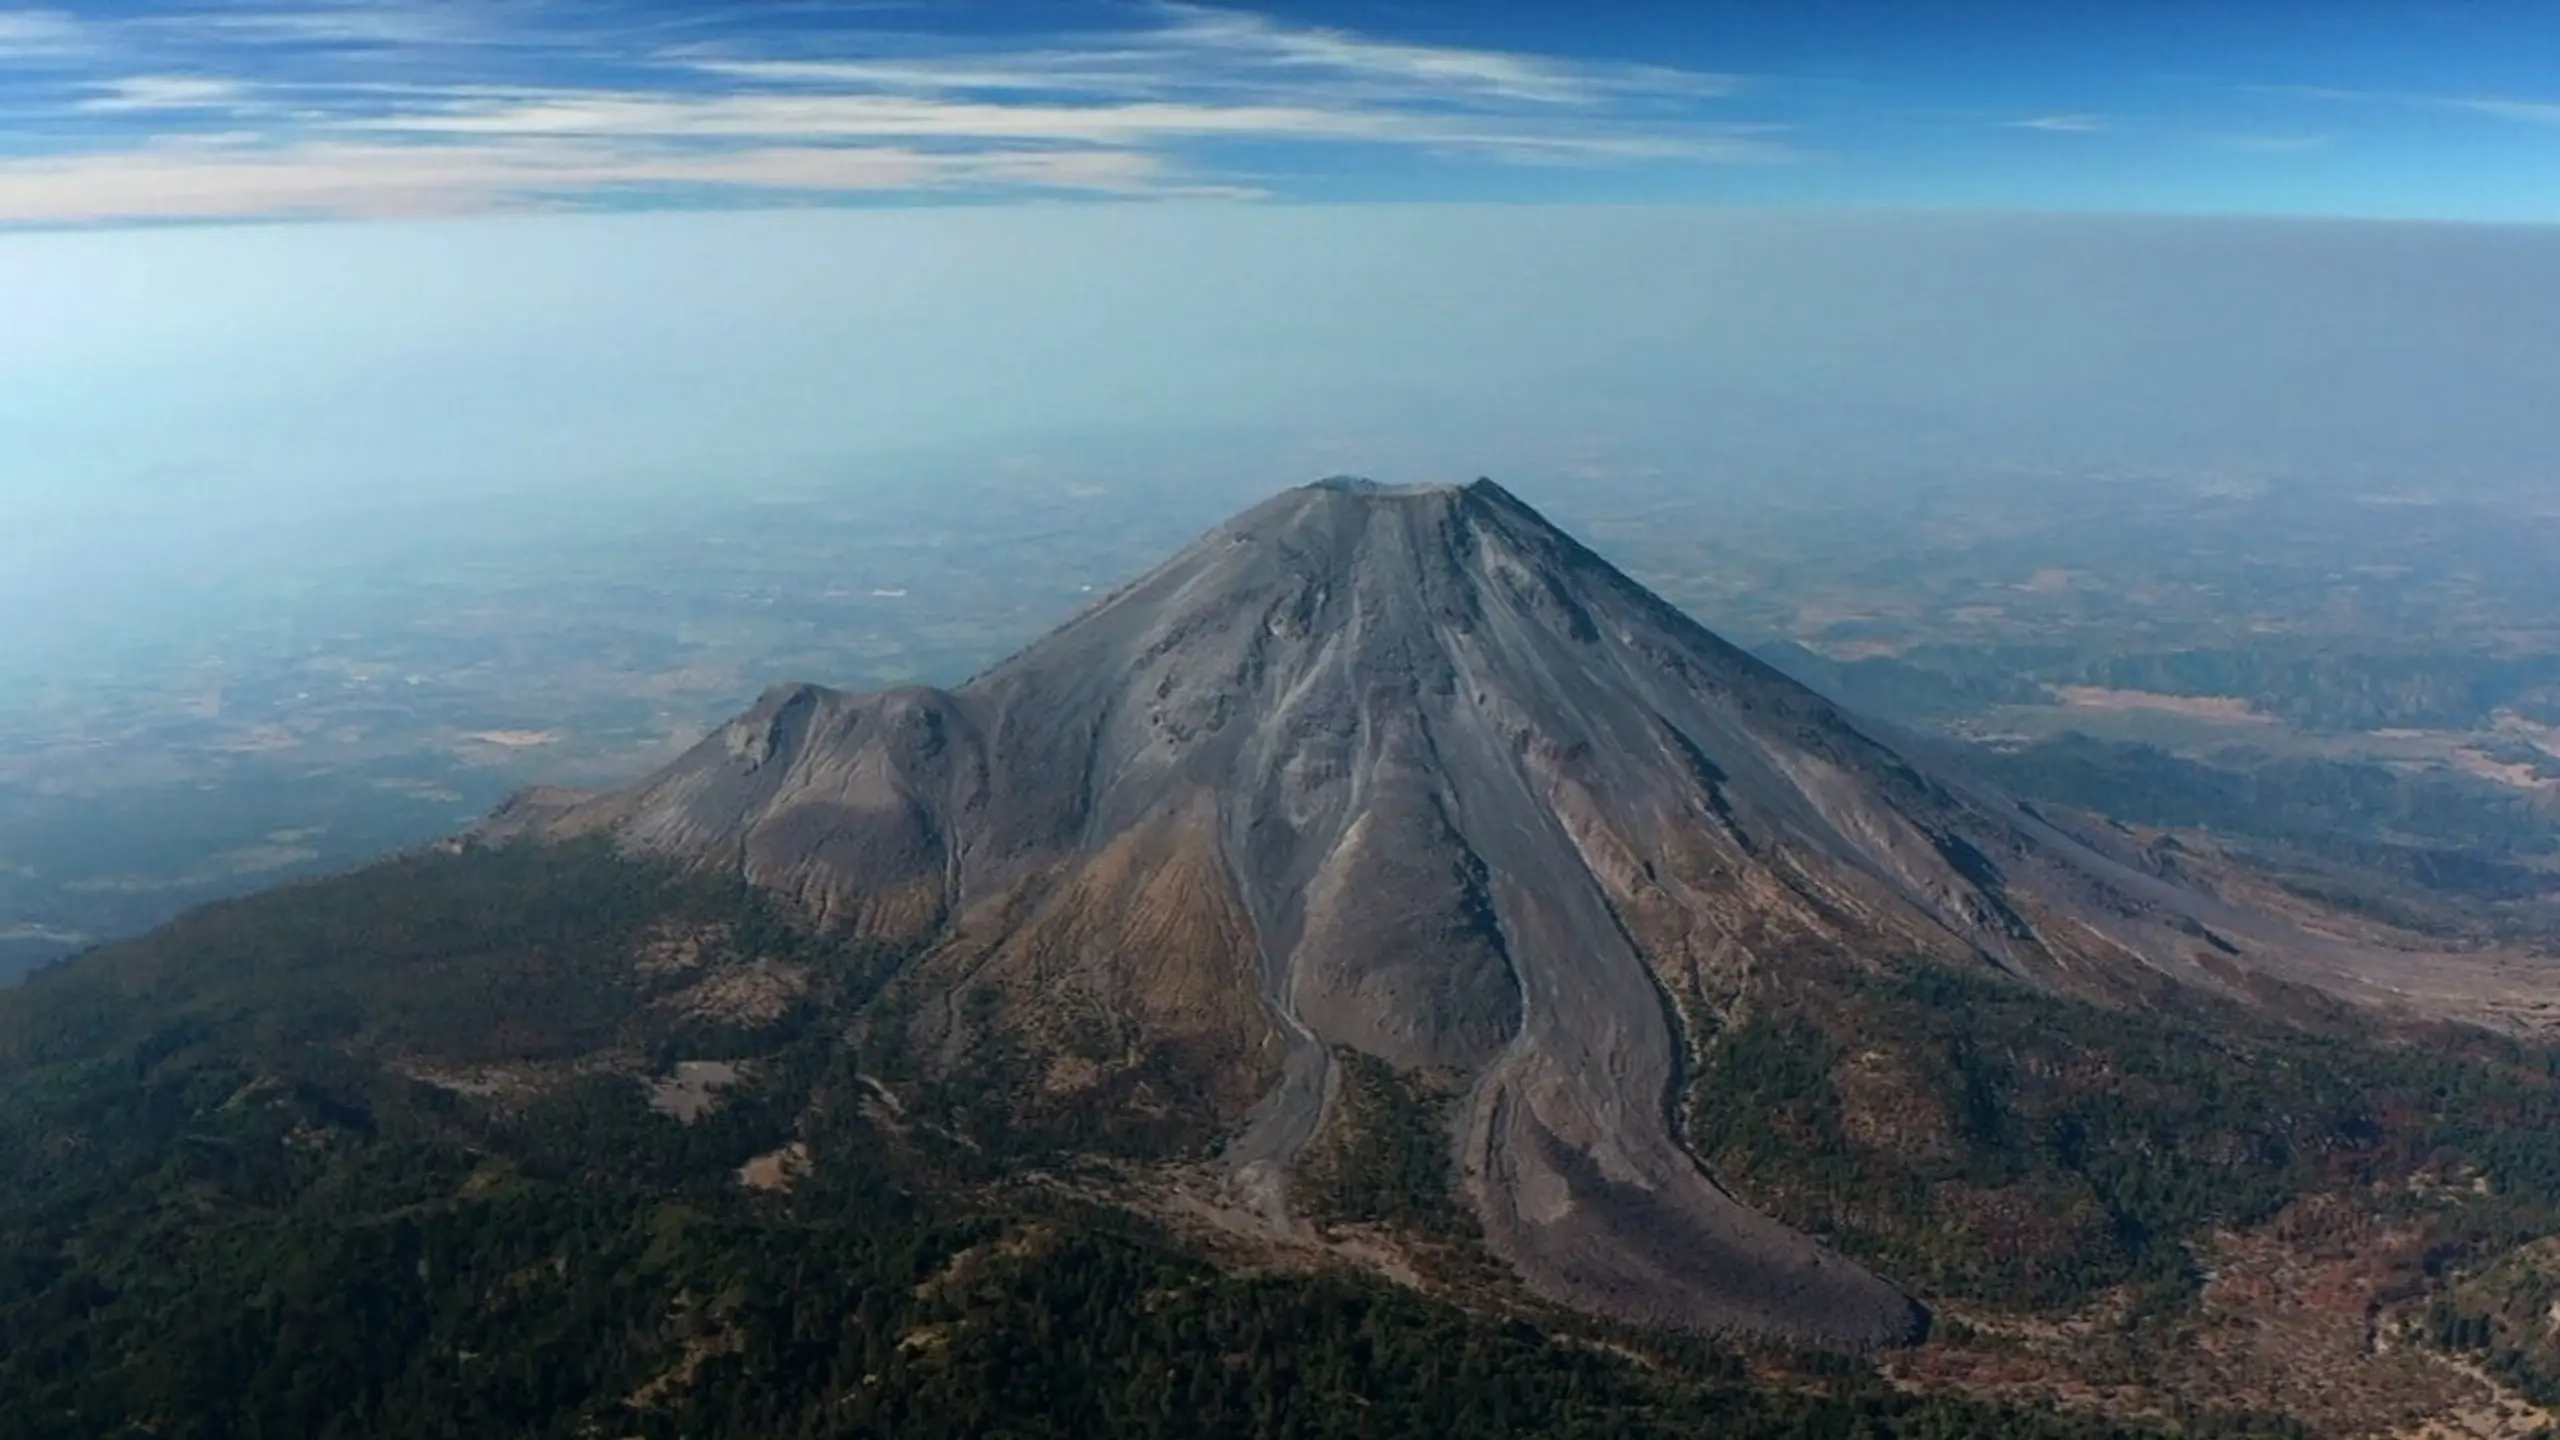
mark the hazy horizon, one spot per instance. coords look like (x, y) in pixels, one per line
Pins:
(189, 407)
(332, 365)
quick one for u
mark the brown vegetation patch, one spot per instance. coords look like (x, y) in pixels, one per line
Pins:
(985, 1264)
(2200, 707)
(515, 1082)
(693, 1090)
(1130, 978)
(776, 1169)
(2515, 774)
(756, 993)
(1885, 1106)
(1207, 1214)
(2017, 1221)
(2307, 1315)
(673, 949)
(703, 1336)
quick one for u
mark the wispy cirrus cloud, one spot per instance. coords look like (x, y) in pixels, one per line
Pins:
(2074, 124)
(670, 117)
(162, 92)
(378, 107)
(2275, 144)
(237, 176)
(2530, 110)
(41, 35)
(1199, 49)
(406, 26)
(2537, 112)
(1499, 75)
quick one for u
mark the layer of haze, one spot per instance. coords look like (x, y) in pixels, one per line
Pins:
(181, 402)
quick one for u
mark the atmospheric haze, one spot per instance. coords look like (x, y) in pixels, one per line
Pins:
(142, 372)
(267, 441)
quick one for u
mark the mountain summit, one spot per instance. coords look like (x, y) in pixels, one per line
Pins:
(1408, 772)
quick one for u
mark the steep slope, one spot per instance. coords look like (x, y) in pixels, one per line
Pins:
(1411, 772)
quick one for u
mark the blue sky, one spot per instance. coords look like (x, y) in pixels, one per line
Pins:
(130, 112)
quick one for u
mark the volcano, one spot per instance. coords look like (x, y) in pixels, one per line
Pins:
(1409, 772)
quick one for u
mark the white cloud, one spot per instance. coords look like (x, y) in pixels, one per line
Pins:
(808, 116)
(1737, 145)
(1239, 53)
(1487, 73)
(1114, 72)
(40, 35)
(2274, 144)
(1135, 111)
(163, 92)
(384, 180)
(360, 24)
(849, 116)
(2538, 112)
(2061, 124)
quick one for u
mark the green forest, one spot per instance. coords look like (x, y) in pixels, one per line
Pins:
(2122, 1136)
(256, 1181)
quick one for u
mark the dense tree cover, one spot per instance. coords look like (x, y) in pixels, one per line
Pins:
(501, 1306)
(2500, 1315)
(997, 1111)
(377, 1157)
(1384, 1157)
(230, 1207)
(486, 955)
(1981, 1140)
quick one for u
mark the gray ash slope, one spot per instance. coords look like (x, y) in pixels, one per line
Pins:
(1413, 772)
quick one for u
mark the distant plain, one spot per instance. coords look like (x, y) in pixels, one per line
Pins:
(2237, 625)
